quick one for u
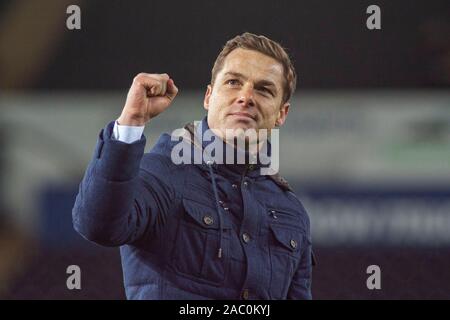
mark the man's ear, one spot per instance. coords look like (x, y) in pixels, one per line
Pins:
(207, 96)
(282, 114)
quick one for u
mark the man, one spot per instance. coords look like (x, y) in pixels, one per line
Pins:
(205, 229)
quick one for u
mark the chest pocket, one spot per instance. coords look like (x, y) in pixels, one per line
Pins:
(197, 243)
(286, 242)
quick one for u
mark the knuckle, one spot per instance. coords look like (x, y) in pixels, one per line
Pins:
(139, 77)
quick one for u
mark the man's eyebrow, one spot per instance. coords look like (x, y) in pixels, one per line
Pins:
(235, 74)
(240, 75)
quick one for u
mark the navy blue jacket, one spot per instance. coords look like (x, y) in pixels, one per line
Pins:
(194, 231)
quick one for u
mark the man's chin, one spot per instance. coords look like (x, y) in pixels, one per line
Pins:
(241, 125)
(241, 131)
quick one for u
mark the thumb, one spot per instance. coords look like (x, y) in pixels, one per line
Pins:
(171, 90)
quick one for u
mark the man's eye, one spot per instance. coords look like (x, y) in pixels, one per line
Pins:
(265, 90)
(233, 82)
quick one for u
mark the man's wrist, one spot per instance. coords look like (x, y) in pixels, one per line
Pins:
(131, 121)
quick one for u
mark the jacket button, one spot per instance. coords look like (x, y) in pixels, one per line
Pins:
(245, 294)
(226, 208)
(293, 244)
(245, 183)
(208, 220)
(245, 237)
(234, 185)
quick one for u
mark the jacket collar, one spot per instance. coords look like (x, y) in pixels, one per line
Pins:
(201, 127)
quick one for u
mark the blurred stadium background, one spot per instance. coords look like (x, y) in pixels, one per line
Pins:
(366, 144)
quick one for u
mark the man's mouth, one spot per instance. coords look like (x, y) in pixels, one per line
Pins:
(244, 115)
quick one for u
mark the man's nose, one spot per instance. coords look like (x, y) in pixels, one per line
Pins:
(246, 97)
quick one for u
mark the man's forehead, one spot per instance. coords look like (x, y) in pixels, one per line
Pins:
(252, 63)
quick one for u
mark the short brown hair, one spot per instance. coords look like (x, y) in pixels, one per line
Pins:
(266, 46)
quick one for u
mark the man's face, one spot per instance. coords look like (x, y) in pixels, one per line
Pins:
(247, 93)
